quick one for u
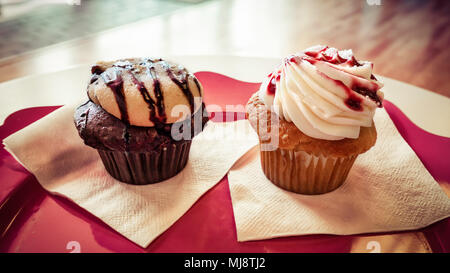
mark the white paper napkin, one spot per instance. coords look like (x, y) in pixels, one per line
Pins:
(388, 189)
(52, 150)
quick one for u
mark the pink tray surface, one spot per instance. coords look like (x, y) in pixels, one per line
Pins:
(32, 220)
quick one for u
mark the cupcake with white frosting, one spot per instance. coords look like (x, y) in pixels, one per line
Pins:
(315, 113)
(141, 117)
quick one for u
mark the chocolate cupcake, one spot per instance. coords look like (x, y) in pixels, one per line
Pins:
(314, 116)
(141, 117)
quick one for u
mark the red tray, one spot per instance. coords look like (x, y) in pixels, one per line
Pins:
(32, 220)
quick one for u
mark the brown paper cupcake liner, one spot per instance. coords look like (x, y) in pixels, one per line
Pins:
(148, 167)
(301, 172)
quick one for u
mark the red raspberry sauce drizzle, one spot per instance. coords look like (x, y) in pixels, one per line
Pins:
(331, 56)
(272, 86)
(352, 101)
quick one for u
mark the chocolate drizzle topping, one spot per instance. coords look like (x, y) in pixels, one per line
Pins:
(97, 70)
(158, 95)
(182, 83)
(197, 84)
(147, 98)
(112, 77)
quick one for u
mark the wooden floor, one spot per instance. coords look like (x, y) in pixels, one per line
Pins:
(41, 24)
(406, 40)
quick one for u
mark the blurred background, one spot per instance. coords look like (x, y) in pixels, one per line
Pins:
(406, 39)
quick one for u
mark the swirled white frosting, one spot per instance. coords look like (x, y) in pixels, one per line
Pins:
(326, 93)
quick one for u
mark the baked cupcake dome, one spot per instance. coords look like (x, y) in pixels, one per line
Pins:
(290, 137)
(133, 106)
(145, 92)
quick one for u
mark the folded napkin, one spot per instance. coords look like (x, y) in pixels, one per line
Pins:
(388, 189)
(52, 150)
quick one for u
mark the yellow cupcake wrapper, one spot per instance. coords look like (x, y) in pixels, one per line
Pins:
(301, 172)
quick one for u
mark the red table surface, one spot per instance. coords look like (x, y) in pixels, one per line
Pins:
(32, 220)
